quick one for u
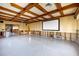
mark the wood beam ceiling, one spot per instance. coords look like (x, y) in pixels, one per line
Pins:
(12, 11)
(11, 15)
(23, 11)
(3, 8)
(8, 18)
(19, 7)
(42, 9)
(51, 18)
(76, 13)
(63, 8)
(6, 9)
(5, 17)
(29, 6)
(6, 13)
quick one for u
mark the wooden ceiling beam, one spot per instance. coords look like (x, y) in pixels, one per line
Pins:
(59, 7)
(70, 6)
(77, 4)
(5, 17)
(34, 20)
(66, 15)
(76, 12)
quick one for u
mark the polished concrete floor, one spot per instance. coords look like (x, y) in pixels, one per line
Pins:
(36, 46)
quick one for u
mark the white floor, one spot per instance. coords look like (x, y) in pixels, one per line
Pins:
(36, 46)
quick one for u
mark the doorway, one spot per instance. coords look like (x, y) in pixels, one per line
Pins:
(11, 30)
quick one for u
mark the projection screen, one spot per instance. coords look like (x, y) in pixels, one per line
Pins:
(51, 25)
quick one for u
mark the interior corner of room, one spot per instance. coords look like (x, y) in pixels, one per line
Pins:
(55, 20)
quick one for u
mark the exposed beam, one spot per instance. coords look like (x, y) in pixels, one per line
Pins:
(59, 7)
(77, 12)
(5, 17)
(66, 15)
(77, 4)
(35, 20)
(70, 6)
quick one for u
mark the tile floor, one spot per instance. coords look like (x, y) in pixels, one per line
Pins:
(36, 46)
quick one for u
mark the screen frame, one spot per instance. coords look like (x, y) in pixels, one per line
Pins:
(52, 29)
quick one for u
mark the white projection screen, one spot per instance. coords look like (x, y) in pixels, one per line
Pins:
(51, 25)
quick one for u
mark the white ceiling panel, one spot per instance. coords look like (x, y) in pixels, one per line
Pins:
(36, 10)
(49, 7)
(7, 5)
(29, 14)
(22, 4)
(69, 11)
(56, 14)
(65, 4)
(46, 16)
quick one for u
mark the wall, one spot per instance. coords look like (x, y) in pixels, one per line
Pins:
(77, 24)
(35, 26)
(67, 24)
(22, 26)
(2, 27)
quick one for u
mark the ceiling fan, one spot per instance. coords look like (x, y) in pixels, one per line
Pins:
(48, 4)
